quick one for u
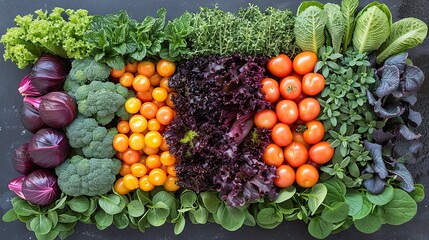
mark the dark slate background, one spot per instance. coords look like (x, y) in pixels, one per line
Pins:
(13, 134)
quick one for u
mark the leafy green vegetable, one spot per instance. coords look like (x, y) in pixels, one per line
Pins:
(319, 228)
(348, 8)
(336, 25)
(369, 224)
(61, 32)
(401, 209)
(305, 4)
(373, 24)
(310, 29)
(405, 34)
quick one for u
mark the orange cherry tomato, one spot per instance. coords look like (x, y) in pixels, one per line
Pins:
(117, 72)
(306, 176)
(125, 169)
(120, 142)
(126, 79)
(290, 87)
(150, 151)
(304, 62)
(280, 66)
(138, 123)
(145, 96)
(164, 146)
(164, 115)
(138, 169)
(281, 134)
(155, 79)
(171, 170)
(321, 153)
(164, 84)
(165, 68)
(170, 184)
(169, 101)
(159, 104)
(148, 110)
(120, 188)
(123, 127)
(131, 67)
(132, 105)
(136, 141)
(309, 109)
(287, 111)
(167, 159)
(131, 182)
(153, 125)
(153, 161)
(270, 88)
(314, 133)
(296, 154)
(145, 184)
(285, 176)
(130, 156)
(159, 94)
(273, 155)
(265, 119)
(141, 83)
(146, 68)
(157, 176)
(153, 139)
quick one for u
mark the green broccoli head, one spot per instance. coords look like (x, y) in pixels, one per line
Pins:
(94, 140)
(100, 100)
(82, 176)
(86, 70)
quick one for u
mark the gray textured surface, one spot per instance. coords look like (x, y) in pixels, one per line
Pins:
(12, 133)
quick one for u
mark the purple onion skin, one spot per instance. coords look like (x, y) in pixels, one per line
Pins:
(15, 185)
(35, 101)
(48, 147)
(30, 118)
(40, 187)
(49, 73)
(57, 109)
(21, 160)
(26, 87)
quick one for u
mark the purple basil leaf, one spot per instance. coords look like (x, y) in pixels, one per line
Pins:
(414, 118)
(375, 151)
(414, 78)
(381, 137)
(409, 98)
(398, 60)
(371, 98)
(404, 176)
(407, 133)
(390, 110)
(389, 81)
(408, 149)
(374, 185)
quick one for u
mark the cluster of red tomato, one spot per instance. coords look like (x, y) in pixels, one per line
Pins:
(298, 148)
(146, 160)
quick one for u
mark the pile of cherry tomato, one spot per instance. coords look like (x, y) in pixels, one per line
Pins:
(297, 149)
(146, 161)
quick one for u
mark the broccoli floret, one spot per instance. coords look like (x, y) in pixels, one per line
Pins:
(82, 176)
(83, 72)
(100, 100)
(93, 139)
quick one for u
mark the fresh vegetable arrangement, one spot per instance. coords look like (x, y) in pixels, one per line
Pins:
(240, 119)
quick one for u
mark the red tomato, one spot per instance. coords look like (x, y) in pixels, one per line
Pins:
(306, 176)
(313, 83)
(130, 156)
(270, 88)
(280, 66)
(309, 109)
(304, 62)
(321, 153)
(290, 87)
(281, 134)
(298, 137)
(273, 155)
(287, 111)
(265, 119)
(314, 132)
(285, 176)
(296, 154)
(300, 97)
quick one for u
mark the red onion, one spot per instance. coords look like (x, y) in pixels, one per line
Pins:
(48, 148)
(30, 118)
(40, 187)
(21, 160)
(15, 185)
(26, 88)
(57, 109)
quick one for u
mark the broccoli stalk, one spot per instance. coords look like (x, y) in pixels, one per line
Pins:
(82, 176)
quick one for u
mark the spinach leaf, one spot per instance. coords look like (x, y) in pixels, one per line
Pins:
(319, 228)
(401, 209)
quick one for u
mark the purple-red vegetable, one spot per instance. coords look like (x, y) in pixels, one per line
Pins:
(15, 185)
(30, 118)
(49, 147)
(35, 101)
(41, 187)
(57, 109)
(21, 160)
(26, 88)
